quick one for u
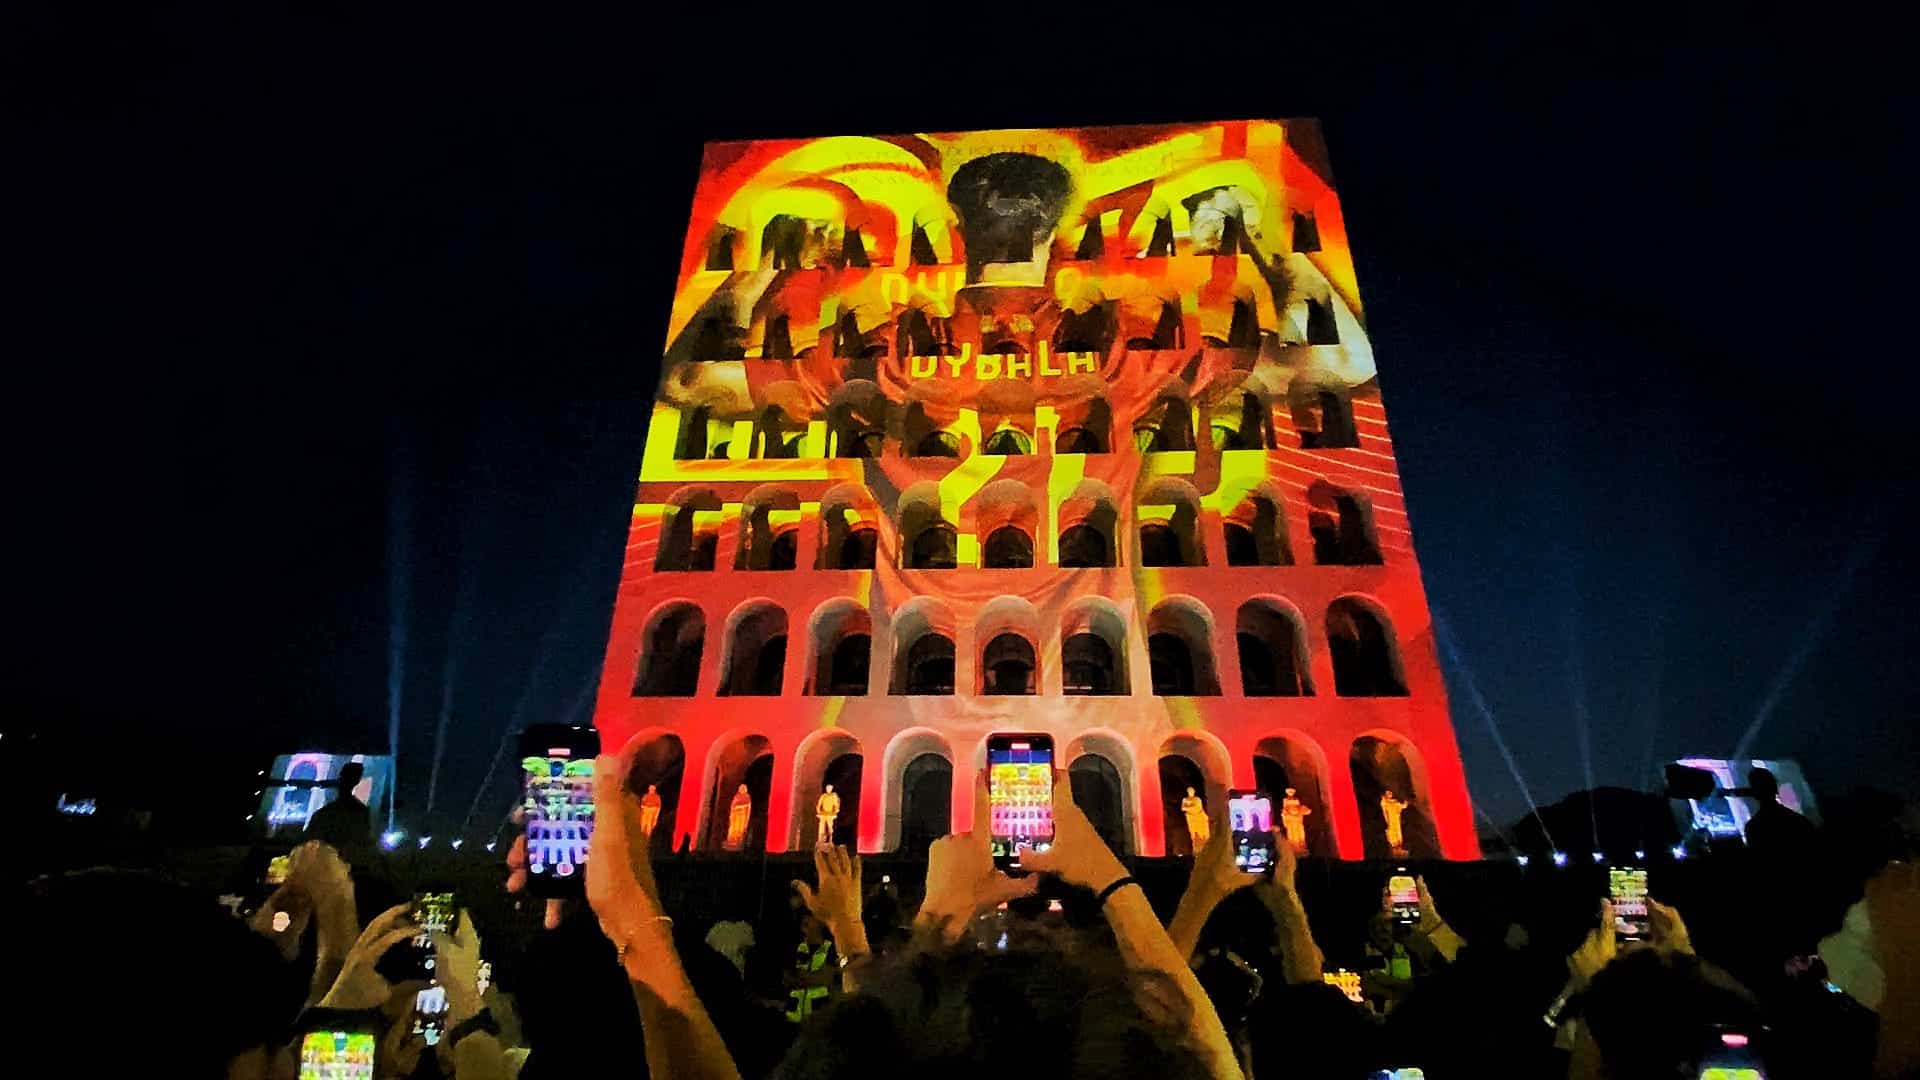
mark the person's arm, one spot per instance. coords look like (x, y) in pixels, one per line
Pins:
(837, 903)
(961, 879)
(1432, 936)
(318, 871)
(681, 1040)
(1300, 960)
(1215, 877)
(1079, 857)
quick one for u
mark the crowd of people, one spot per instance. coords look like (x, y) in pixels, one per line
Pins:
(1066, 970)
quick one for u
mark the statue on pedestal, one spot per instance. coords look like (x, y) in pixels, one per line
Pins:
(650, 809)
(1293, 818)
(737, 815)
(826, 811)
(1391, 808)
(1198, 827)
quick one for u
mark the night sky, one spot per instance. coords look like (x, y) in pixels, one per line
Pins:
(311, 313)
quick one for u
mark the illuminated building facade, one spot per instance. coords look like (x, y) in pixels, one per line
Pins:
(1074, 431)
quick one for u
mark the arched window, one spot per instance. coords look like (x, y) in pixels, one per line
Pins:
(1179, 651)
(1366, 659)
(1382, 765)
(1249, 427)
(1008, 442)
(686, 542)
(1008, 665)
(756, 653)
(1170, 332)
(926, 802)
(1089, 665)
(1172, 664)
(918, 336)
(1324, 419)
(853, 248)
(857, 549)
(1272, 656)
(1083, 545)
(935, 548)
(1092, 243)
(1096, 787)
(1089, 331)
(670, 653)
(695, 431)
(1342, 527)
(847, 665)
(929, 668)
(774, 437)
(938, 444)
(1159, 545)
(784, 552)
(1079, 440)
(1007, 547)
(777, 344)
(1256, 534)
(1168, 428)
(720, 249)
(1321, 327)
(1306, 233)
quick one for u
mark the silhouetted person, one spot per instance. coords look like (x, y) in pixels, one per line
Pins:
(1774, 830)
(344, 823)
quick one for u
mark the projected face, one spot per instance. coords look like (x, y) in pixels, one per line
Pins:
(1020, 779)
(336, 1055)
(559, 810)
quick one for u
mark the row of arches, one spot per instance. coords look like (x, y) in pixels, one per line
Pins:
(1254, 532)
(916, 799)
(1269, 636)
(859, 424)
(788, 242)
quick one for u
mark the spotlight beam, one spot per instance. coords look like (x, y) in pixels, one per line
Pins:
(1445, 639)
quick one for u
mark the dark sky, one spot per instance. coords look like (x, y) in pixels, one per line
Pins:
(283, 282)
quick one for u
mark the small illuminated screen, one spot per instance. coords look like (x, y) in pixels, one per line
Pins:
(1250, 817)
(1403, 891)
(430, 1014)
(1398, 1074)
(336, 1055)
(559, 806)
(434, 911)
(1627, 887)
(1020, 787)
(278, 868)
(1347, 982)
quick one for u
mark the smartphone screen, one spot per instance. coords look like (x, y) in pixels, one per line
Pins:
(336, 1055)
(1250, 816)
(1731, 1055)
(1627, 888)
(1408, 1073)
(435, 911)
(430, 1014)
(1347, 982)
(1019, 795)
(278, 868)
(1404, 894)
(556, 764)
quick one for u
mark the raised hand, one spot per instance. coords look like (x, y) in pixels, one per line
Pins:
(961, 879)
(457, 965)
(837, 901)
(1666, 931)
(620, 884)
(359, 986)
(1078, 855)
(1597, 951)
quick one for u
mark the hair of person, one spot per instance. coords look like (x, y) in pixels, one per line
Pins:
(1652, 1012)
(350, 775)
(1763, 782)
(1058, 1002)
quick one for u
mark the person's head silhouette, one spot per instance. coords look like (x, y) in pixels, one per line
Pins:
(1765, 785)
(349, 777)
(1008, 206)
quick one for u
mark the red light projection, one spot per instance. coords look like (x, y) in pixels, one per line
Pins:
(1068, 431)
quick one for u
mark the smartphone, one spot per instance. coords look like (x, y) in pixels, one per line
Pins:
(277, 869)
(435, 911)
(1627, 888)
(1019, 795)
(1347, 982)
(1250, 816)
(430, 1010)
(1404, 894)
(337, 1052)
(1407, 1073)
(556, 766)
